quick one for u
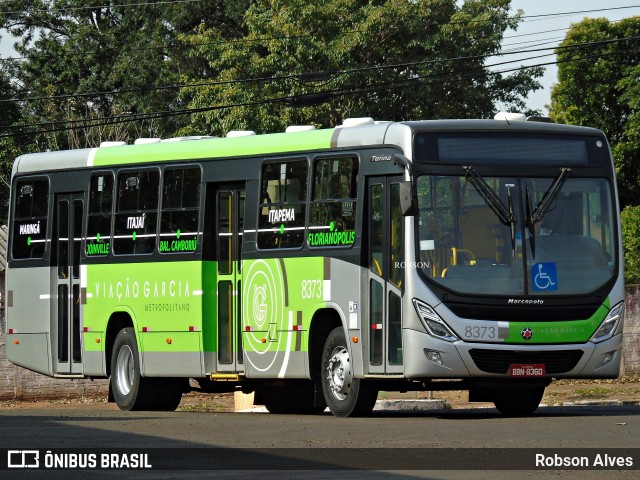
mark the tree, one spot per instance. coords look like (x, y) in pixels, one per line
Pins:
(10, 146)
(103, 59)
(631, 241)
(316, 63)
(598, 86)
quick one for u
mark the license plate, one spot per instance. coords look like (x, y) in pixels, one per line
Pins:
(526, 370)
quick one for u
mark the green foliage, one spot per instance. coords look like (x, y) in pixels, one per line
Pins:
(278, 62)
(75, 48)
(598, 87)
(630, 218)
(320, 62)
(10, 146)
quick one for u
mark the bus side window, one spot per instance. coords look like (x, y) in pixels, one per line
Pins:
(283, 197)
(30, 218)
(99, 217)
(332, 220)
(136, 212)
(180, 210)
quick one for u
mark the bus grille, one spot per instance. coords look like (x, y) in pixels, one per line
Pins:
(498, 361)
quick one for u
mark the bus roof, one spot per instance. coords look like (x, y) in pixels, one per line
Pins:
(378, 133)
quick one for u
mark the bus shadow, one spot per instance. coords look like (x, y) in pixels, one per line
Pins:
(68, 439)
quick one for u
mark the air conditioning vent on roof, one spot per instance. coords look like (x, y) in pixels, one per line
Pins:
(145, 141)
(240, 133)
(356, 122)
(510, 117)
(112, 144)
(538, 118)
(185, 139)
(299, 128)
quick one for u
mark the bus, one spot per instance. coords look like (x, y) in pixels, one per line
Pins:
(317, 267)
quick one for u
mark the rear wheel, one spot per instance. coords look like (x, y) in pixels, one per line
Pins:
(519, 401)
(345, 395)
(130, 390)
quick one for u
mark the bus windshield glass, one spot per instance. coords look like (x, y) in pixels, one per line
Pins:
(468, 242)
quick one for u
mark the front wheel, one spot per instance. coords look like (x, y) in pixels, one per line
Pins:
(345, 395)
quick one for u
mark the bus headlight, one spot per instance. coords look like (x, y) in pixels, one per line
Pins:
(433, 323)
(609, 324)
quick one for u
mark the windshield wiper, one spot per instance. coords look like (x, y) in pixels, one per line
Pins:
(504, 213)
(550, 195)
(544, 206)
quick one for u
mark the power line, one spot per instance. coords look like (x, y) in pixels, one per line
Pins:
(399, 84)
(263, 39)
(328, 73)
(562, 14)
(509, 37)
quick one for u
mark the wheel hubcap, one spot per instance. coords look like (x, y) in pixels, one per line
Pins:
(124, 370)
(339, 373)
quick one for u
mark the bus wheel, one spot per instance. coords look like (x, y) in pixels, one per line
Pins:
(130, 390)
(345, 395)
(519, 401)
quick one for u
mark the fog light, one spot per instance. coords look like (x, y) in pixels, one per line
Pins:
(608, 357)
(433, 356)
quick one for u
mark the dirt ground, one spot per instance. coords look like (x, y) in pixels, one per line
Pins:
(625, 390)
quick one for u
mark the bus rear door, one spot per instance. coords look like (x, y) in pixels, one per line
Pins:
(67, 325)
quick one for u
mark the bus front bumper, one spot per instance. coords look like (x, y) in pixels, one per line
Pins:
(435, 358)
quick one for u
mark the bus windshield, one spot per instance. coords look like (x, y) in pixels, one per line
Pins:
(516, 236)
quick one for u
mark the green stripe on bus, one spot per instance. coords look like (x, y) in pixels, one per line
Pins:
(279, 296)
(163, 296)
(573, 331)
(214, 148)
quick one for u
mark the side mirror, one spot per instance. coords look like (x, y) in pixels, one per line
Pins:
(408, 202)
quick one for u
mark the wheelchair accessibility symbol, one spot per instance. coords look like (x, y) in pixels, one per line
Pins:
(544, 277)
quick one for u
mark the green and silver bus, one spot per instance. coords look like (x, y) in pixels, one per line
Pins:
(319, 267)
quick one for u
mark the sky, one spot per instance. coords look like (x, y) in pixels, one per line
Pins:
(531, 33)
(533, 28)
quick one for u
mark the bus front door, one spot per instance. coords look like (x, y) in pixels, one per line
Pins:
(66, 321)
(385, 275)
(230, 201)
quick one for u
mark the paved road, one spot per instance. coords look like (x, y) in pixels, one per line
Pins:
(321, 441)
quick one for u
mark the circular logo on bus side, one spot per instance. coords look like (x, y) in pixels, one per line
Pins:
(526, 333)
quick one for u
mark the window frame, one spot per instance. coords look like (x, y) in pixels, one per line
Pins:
(302, 225)
(89, 214)
(313, 200)
(15, 219)
(197, 209)
(117, 211)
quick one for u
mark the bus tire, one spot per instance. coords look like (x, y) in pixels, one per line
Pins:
(345, 395)
(130, 390)
(519, 401)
